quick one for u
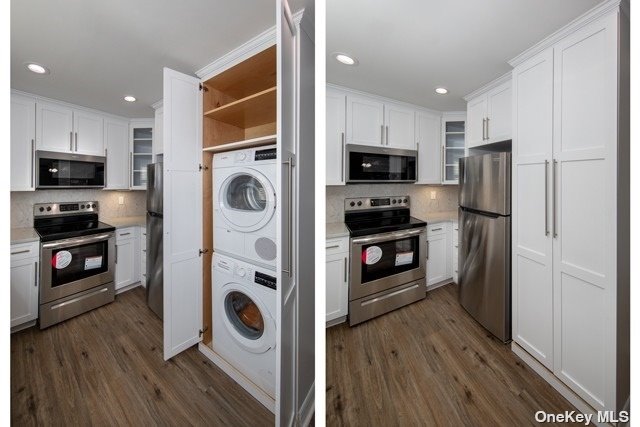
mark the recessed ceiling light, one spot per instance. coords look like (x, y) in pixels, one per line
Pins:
(130, 98)
(37, 68)
(345, 59)
(441, 90)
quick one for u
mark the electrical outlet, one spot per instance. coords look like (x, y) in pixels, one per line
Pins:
(433, 195)
(121, 200)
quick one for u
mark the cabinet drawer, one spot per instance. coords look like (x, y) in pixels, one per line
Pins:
(25, 250)
(125, 233)
(336, 246)
(437, 228)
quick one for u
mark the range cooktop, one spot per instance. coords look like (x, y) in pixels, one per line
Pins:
(57, 221)
(366, 216)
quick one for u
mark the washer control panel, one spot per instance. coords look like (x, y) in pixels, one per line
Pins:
(243, 272)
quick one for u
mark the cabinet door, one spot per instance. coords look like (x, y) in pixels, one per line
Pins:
(54, 127)
(23, 129)
(125, 263)
(499, 113)
(335, 124)
(24, 290)
(141, 153)
(476, 113)
(453, 137)
(337, 288)
(399, 126)
(436, 259)
(116, 138)
(532, 290)
(365, 121)
(157, 134)
(585, 137)
(429, 151)
(88, 133)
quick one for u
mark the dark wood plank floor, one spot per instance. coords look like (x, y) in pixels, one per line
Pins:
(430, 363)
(106, 368)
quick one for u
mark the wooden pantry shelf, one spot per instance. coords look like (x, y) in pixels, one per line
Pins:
(254, 110)
(248, 143)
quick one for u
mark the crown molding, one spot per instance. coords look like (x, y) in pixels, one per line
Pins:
(591, 15)
(157, 104)
(506, 77)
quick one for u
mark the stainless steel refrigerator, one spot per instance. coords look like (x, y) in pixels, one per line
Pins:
(154, 238)
(485, 241)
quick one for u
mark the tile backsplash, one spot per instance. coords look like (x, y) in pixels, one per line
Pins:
(22, 203)
(421, 203)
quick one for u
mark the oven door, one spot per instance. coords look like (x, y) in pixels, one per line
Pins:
(73, 265)
(64, 170)
(383, 261)
(378, 164)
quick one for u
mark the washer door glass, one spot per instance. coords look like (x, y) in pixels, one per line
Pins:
(244, 315)
(246, 193)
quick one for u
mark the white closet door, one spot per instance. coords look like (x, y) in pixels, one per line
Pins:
(428, 146)
(286, 312)
(584, 251)
(182, 193)
(23, 128)
(532, 295)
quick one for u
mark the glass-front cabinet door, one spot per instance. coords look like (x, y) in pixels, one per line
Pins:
(453, 129)
(141, 153)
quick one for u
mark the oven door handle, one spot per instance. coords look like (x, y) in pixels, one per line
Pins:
(388, 237)
(77, 241)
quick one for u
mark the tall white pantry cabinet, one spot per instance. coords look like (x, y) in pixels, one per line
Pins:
(190, 134)
(571, 209)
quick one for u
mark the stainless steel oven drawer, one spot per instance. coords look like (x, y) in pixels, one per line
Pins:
(374, 305)
(66, 308)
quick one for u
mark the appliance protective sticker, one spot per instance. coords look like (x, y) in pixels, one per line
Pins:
(372, 255)
(61, 259)
(92, 262)
(404, 258)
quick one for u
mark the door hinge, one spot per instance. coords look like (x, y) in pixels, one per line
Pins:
(201, 168)
(202, 251)
(202, 331)
(202, 87)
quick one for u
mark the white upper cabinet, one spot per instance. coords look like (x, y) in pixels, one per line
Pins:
(427, 136)
(453, 133)
(335, 134)
(54, 127)
(142, 134)
(489, 115)
(365, 121)
(116, 140)
(399, 126)
(157, 133)
(88, 133)
(23, 128)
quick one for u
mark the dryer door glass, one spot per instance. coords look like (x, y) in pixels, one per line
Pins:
(246, 193)
(244, 315)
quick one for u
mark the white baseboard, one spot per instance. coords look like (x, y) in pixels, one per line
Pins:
(308, 406)
(128, 288)
(439, 284)
(336, 321)
(23, 326)
(238, 377)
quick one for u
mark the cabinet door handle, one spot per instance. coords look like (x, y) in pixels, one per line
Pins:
(345, 269)
(33, 164)
(418, 161)
(484, 121)
(106, 169)
(381, 134)
(21, 252)
(546, 197)
(36, 272)
(343, 148)
(70, 141)
(387, 137)
(76, 141)
(290, 164)
(427, 249)
(116, 254)
(124, 234)
(436, 229)
(332, 246)
(555, 208)
(487, 128)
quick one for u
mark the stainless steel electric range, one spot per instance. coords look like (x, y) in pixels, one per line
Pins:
(388, 256)
(77, 258)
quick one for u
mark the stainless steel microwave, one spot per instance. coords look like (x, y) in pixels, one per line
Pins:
(66, 170)
(367, 164)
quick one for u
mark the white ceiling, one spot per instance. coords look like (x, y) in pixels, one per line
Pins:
(406, 48)
(99, 51)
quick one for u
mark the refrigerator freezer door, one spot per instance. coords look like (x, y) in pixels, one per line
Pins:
(485, 270)
(154, 264)
(154, 188)
(485, 183)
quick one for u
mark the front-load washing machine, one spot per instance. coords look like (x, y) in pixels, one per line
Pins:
(244, 322)
(244, 204)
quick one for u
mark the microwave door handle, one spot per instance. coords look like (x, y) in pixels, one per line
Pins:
(387, 237)
(77, 241)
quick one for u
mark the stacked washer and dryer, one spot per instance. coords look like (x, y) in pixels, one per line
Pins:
(244, 262)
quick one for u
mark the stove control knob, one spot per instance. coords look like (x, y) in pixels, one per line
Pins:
(393, 201)
(48, 208)
(405, 201)
(81, 206)
(242, 272)
(41, 209)
(352, 204)
(93, 205)
(359, 203)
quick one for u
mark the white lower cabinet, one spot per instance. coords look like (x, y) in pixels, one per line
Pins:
(438, 252)
(127, 257)
(143, 256)
(455, 243)
(24, 283)
(337, 270)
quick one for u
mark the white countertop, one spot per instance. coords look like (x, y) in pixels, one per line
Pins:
(126, 221)
(433, 217)
(336, 229)
(24, 235)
